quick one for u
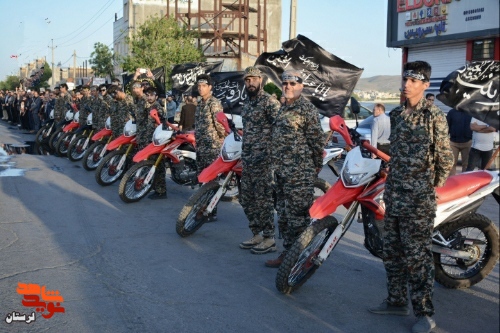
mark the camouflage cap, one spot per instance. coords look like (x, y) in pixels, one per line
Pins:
(252, 71)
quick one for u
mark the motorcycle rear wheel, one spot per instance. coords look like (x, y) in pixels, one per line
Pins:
(91, 158)
(459, 273)
(132, 187)
(107, 172)
(298, 265)
(75, 149)
(191, 217)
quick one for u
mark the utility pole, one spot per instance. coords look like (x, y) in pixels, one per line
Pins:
(293, 19)
(74, 65)
(52, 78)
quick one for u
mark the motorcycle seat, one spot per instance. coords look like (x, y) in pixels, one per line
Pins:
(462, 185)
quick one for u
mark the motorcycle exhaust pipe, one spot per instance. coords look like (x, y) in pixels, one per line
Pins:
(452, 253)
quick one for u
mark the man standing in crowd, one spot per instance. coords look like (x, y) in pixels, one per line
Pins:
(85, 106)
(256, 197)
(381, 129)
(171, 108)
(482, 144)
(460, 137)
(120, 114)
(430, 98)
(209, 132)
(188, 110)
(63, 100)
(103, 106)
(298, 142)
(35, 106)
(421, 159)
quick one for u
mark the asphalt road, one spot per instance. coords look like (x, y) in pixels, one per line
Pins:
(122, 267)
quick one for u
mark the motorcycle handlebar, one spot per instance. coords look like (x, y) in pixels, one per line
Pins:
(383, 156)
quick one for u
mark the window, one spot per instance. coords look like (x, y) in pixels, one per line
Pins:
(483, 49)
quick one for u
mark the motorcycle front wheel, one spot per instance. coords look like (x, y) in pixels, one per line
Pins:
(192, 216)
(299, 262)
(75, 149)
(54, 138)
(475, 234)
(108, 172)
(92, 155)
(132, 187)
(41, 135)
(63, 143)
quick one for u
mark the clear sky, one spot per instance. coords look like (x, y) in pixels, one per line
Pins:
(352, 30)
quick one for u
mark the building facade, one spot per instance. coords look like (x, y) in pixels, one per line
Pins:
(246, 27)
(447, 34)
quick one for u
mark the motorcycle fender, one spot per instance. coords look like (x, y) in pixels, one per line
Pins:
(216, 168)
(101, 134)
(147, 151)
(71, 126)
(121, 140)
(337, 195)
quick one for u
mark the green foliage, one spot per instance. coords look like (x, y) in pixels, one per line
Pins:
(101, 60)
(10, 83)
(47, 74)
(271, 88)
(161, 42)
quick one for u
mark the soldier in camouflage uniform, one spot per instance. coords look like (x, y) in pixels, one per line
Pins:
(122, 109)
(256, 197)
(209, 132)
(85, 106)
(421, 159)
(103, 106)
(61, 105)
(94, 106)
(145, 128)
(298, 142)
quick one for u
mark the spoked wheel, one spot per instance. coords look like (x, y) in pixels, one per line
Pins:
(92, 155)
(133, 186)
(476, 235)
(75, 149)
(108, 171)
(41, 148)
(42, 133)
(192, 214)
(63, 143)
(56, 135)
(300, 262)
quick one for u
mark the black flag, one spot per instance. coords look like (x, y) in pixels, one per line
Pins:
(474, 89)
(184, 76)
(229, 88)
(328, 80)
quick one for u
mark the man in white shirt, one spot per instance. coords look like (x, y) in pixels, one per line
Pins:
(482, 144)
(381, 129)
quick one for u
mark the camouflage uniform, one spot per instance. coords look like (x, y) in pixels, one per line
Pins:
(209, 133)
(85, 109)
(60, 107)
(104, 110)
(298, 144)
(95, 106)
(120, 114)
(256, 196)
(421, 158)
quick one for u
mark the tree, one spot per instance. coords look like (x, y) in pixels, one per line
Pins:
(101, 60)
(271, 88)
(10, 83)
(161, 42)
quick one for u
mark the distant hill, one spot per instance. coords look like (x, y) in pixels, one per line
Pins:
(382, 83)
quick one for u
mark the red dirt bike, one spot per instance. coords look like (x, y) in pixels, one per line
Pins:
(80, 142)
(117, 160)
(465, 243)
(96, 151)
(224, 175)
(177, 151)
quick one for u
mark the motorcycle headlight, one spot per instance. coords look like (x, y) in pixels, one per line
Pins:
(350, 179)
(229, 155)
